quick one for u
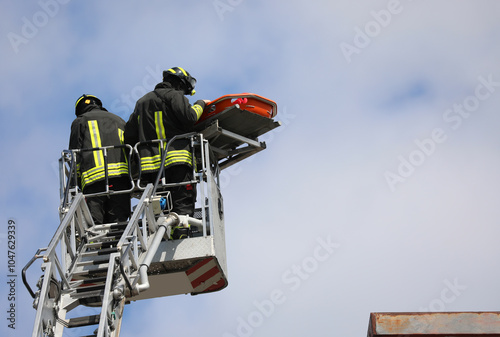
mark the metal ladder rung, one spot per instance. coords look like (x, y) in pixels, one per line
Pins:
(117, 234)
(91, 272)
(104, 251)
(94, 280)
(94, 293)
(102, 244)
(83, 321)
(92, 262)
(90, 288)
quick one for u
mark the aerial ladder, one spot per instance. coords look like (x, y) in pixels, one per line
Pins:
(91, 271)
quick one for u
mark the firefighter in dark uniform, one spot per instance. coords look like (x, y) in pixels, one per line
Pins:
(95, 127)
(162, 114)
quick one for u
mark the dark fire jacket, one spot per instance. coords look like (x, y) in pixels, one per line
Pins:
(163, 114)
(97, 127)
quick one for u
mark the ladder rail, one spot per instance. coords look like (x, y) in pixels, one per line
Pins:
(43, 304)
(61, 235)
(67, 176)
(79, 201)
(133, 223)
(55, 269)
(104, 326)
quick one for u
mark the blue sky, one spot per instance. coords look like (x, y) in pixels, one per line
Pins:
(380, 191)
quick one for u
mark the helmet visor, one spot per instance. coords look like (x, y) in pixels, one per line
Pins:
(190, 83)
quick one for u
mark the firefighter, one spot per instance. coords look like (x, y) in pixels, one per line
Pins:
(95, 127)
(162, 114)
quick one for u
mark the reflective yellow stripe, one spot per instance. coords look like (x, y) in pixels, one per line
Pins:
(84, 96)
(95, 137)
(183, 71)
(198, 109)
(98, 173)
(120, 135)
(160, 128)
(181, 156)
(122, 141)
(173, 157)
(78, 101)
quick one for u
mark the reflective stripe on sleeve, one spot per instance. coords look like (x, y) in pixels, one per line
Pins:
(198, 110)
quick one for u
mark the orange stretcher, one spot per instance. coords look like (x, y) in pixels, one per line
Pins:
(250, 102)
(232, 124)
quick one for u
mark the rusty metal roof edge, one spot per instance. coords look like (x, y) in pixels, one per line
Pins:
(449, 323)
(433, 312)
